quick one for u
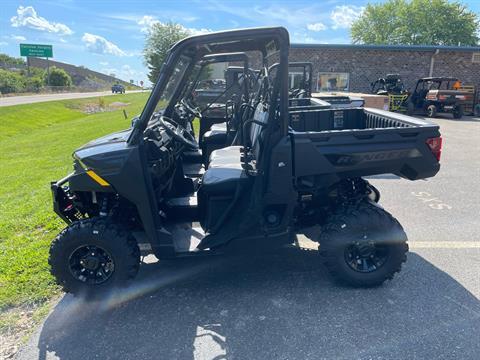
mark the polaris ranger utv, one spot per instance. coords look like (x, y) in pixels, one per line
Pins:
(128, 194)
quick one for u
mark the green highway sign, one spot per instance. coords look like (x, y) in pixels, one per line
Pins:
(36, 50)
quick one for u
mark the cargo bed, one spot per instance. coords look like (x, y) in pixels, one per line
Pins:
(361, 142)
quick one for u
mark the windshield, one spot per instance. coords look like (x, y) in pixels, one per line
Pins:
(216, 83)
(172, 84)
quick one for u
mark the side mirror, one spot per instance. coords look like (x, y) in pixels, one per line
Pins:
(134, 120)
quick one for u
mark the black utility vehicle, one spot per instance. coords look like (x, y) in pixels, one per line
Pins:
(300, 79)
(118, 89)
(434, 95)
(390, 84)
(129, 195)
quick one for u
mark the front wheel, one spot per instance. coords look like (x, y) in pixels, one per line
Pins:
(92, 256)
(363, 245)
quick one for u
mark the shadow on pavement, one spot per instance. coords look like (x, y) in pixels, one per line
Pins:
(280, 306)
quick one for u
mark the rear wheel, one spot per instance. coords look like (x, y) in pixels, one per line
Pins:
(431, 111)
(363, 245)
(458, 112)
(92, 256)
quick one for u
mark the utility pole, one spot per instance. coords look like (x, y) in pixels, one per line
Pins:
(48, 72)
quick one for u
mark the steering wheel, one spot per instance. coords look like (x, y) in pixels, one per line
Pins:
(191, 109)
(178, 132)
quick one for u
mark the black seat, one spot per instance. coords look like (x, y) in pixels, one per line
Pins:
(224, 134)
(227, 155)
(223, 180)
(225, 170)
(216, 136)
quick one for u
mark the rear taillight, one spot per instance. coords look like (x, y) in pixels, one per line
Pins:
(443, 97)
(435, 145)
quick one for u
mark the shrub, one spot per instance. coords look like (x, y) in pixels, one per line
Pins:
(34, 83)
(58, 77)
(11, 82)
(32, 72)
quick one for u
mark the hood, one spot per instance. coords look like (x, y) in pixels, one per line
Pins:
(104, 151)
(120, 136)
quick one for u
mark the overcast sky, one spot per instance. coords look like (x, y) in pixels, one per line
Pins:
(108, 36)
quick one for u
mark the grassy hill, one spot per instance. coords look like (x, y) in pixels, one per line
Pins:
(16, 78)
(36, 143)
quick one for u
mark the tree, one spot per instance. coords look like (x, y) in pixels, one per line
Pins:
(9, 61)
(159, 40)
(58, 77)
(416, 22)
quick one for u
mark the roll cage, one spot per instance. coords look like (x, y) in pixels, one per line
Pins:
(240, 57)
(430, 81)
(306, 69)
(272, 41)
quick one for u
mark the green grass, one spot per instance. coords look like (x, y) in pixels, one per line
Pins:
(36, 143)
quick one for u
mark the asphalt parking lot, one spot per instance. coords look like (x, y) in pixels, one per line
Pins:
(284, 306)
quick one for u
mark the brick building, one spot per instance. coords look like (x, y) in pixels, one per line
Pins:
(354, 67)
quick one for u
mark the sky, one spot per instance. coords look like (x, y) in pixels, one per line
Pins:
(108, 36)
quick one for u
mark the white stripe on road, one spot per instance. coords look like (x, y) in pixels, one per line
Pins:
(444, 244)
(305, 243)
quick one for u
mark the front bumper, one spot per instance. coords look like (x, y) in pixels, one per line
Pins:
(63, 201)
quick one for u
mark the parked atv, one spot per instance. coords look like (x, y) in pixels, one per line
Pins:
(300, 78)
(129, 194)
(433, 95)
(391, 84)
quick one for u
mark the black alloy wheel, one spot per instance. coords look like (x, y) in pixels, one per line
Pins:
(91, 264)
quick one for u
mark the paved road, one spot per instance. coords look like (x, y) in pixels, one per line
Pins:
(284, 306)
(30, 99)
